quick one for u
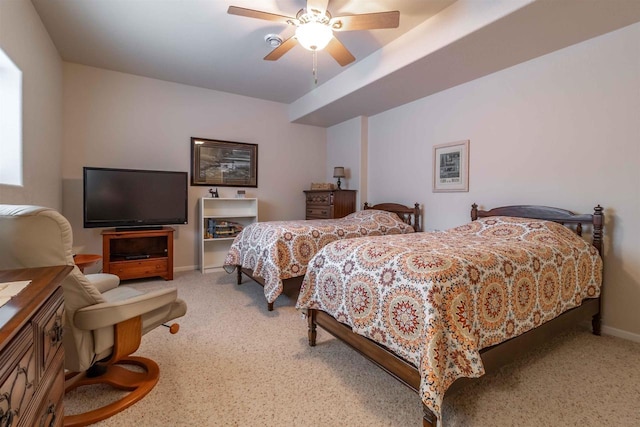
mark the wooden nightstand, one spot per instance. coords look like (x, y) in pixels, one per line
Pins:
(329, 204)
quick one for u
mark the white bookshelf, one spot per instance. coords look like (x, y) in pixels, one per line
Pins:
(213, 250)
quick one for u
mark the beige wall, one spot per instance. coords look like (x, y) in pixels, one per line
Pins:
(120, 120)
(347, 146)
(24, 39)
(561, 130)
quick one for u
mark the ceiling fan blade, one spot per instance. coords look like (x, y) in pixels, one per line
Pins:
(282, 49)
(339, 52)
(318, 5)
(251, 13)
(366, 21)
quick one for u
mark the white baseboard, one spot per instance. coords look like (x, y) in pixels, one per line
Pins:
(186, 268)
(608, 330)
(197, 268)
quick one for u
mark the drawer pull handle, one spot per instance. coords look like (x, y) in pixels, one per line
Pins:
(55, 334)
(50, 410)
(7, 418)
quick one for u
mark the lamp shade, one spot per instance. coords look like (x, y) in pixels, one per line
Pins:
(314, 35)
(338, 172)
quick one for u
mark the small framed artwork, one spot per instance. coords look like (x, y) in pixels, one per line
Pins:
(451, 167)
(223, 163)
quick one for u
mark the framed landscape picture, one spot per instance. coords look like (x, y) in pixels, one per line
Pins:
(223, 163)
(451, 167)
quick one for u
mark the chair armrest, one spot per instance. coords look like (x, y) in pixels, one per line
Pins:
(103, 281)
(110, 313)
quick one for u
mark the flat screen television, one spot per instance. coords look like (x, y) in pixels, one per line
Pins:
(126, 198)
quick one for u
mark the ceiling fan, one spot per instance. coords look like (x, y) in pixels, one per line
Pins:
(315, 26)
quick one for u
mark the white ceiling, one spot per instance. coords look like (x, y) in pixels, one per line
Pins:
(439, 44)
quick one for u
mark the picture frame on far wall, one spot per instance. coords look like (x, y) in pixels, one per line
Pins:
(451, 167)
(223, 163)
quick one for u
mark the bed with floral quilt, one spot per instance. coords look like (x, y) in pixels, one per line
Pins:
(434, 307)
(276, 253)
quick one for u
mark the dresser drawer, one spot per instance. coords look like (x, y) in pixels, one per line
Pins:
(329, 204)
(134, 269)
(52, 337)
(50, 412)
(319, 213)
(322, 198)
(18, 380)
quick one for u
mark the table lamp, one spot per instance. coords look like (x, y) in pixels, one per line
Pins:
(338, 172)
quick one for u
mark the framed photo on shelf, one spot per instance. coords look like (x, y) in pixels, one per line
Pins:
(223, 163)
(451, 167)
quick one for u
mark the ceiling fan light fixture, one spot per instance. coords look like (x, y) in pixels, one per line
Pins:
(314, 35)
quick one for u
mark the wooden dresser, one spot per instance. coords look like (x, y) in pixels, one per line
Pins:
(328, 204)
(31, 352)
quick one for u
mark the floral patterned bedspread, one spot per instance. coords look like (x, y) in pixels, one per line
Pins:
(278, 250)
(436, 299)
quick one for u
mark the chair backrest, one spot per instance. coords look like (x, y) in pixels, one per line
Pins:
(34, 236)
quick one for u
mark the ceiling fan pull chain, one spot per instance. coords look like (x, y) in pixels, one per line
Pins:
(315, 67)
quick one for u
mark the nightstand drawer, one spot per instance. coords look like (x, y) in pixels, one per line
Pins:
(321, 198)
(320, 213)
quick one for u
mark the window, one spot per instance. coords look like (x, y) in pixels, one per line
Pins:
(10, 122)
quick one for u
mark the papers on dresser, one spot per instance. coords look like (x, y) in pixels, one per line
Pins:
(10, 289)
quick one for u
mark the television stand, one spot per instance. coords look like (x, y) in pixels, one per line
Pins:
(135, 254)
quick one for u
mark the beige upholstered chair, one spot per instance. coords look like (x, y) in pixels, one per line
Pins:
(103, 321)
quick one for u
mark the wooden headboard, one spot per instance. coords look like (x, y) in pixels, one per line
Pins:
(561, 216)
(409, 215)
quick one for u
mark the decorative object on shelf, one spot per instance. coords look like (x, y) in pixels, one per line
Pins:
(221, 219)
(451, 167)
(218, 229)
(214, 194)
(223, 163)
(322, 186)
(338, 172)
(240, 194)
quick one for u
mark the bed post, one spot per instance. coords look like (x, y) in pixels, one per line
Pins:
(417, 218)
(598, 223)
(428, 418)
(311, 319)
(239, 269)
(474, 212)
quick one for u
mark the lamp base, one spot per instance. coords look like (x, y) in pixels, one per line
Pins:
(339, 183)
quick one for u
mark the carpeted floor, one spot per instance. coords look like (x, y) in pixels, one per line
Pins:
(233, 363)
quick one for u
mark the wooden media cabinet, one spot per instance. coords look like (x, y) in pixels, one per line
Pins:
(139, 253)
